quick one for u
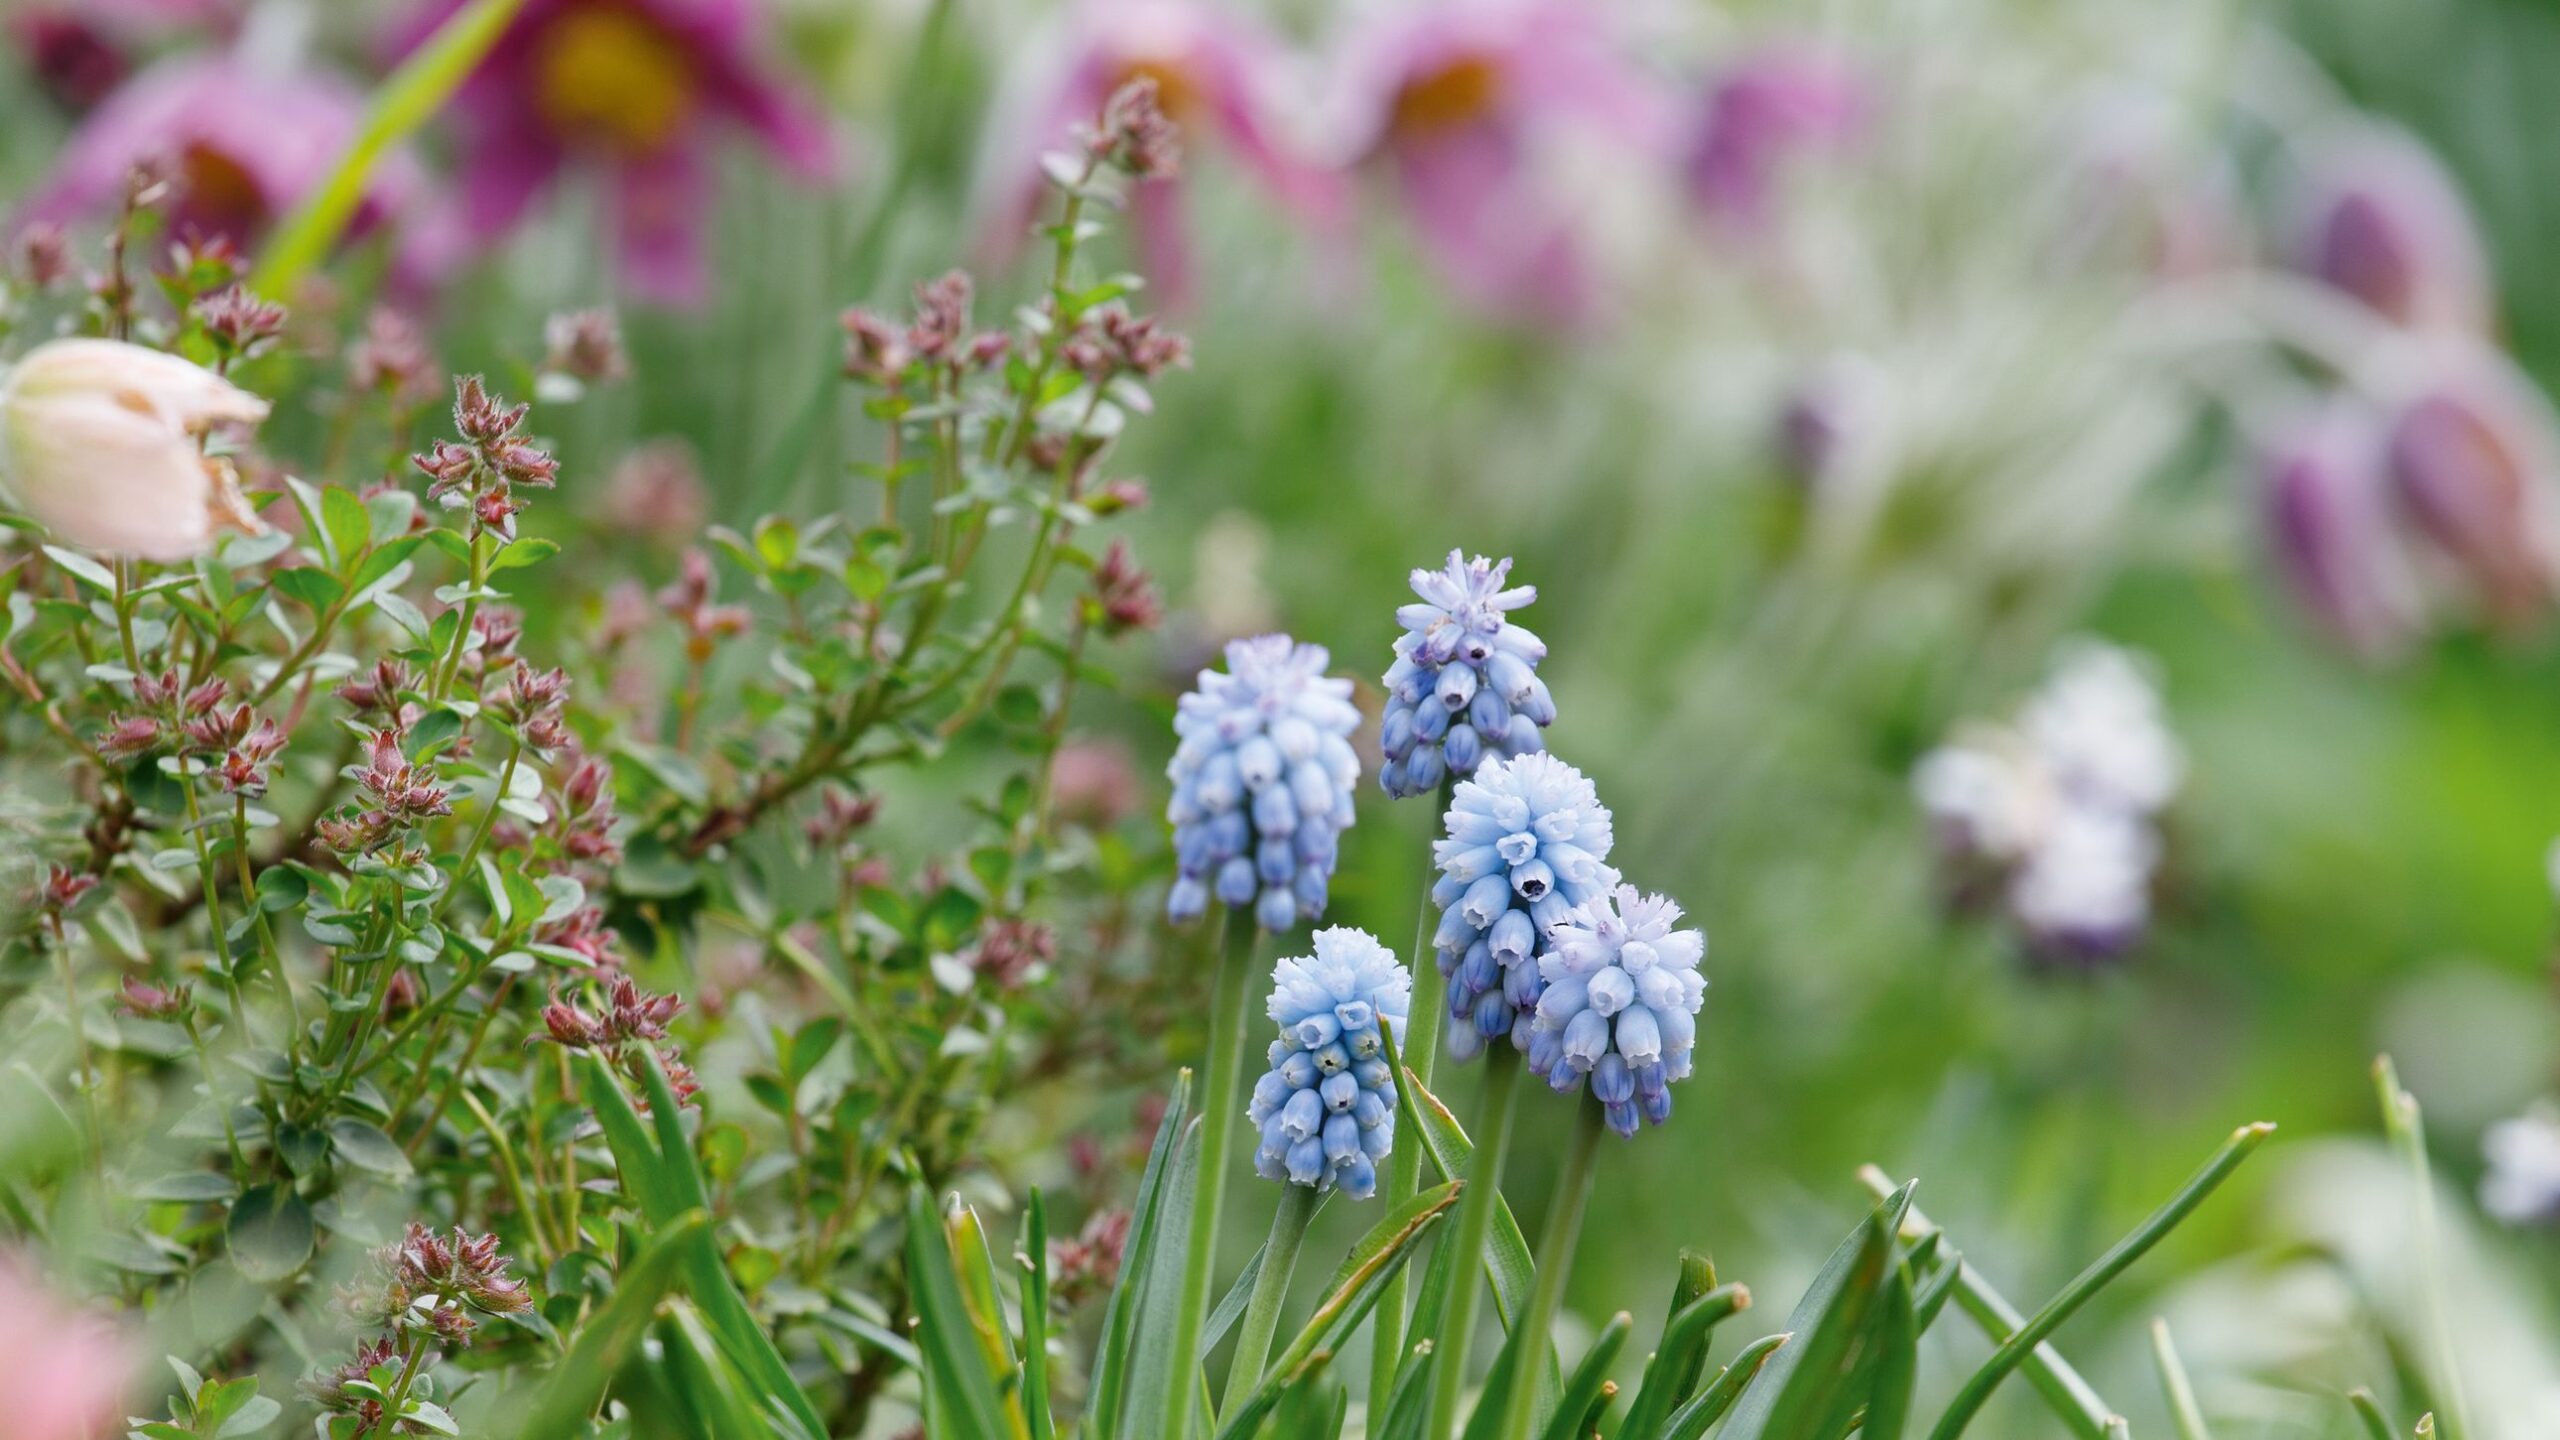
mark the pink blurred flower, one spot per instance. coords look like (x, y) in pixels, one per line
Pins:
(1765, 109)
(637, 89)
(2473, 456)
(246, 143)
(1458, 102)
(2331, 532)
(62, 1372)
(2380, 220)
(1219, 77)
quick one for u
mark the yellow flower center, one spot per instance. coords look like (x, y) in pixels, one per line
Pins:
(1456, 94)
(609, 76)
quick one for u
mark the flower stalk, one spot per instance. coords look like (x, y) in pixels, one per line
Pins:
(1555, 1261)
(1270, 1292)
(1220, 1105)
(1474, 1229)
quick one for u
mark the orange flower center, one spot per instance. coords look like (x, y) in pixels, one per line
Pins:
(1456, 94)
(609, 76)
(1177, 94)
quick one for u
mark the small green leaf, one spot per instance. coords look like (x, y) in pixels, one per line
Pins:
(366, 1147)
(270, 1233)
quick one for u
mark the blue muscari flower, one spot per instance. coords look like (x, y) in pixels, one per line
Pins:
(1620, 1007)
(1262, 783)
(1327, 1106)
(1465, 687)
(1526, 842)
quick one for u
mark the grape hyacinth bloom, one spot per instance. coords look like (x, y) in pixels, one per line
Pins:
(1262, 783)
(2380, 220)
(638, 89)
(2055, 818)
(2331, 531)
(1465, 686)
(2472, 456)
(1327, 1106)
(1527, 841)
(1620, 1007)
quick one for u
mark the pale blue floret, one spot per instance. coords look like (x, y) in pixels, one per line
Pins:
(1464, 688)
(1527, 840)
(1326, 1109)
(1620, 1005)
(1262, 783)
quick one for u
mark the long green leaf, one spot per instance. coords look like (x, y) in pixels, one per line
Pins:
(1354, 1288)
(2377, 1426)
(973, 1262)
(1507, 1264)
(701, 1377)
(2180, 1392)
(1035, 1320)
(966, 1404)
(402, 103)
(1409, 1407)
(1672, 1375)
(1807, 1382)
(1894, 1363)
(1977, 1389)
(1582, 1390)
(1711, 1403)
(1111, 1362)
(576, 1385)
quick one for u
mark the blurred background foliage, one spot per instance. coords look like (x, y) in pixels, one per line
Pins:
(2356, 862)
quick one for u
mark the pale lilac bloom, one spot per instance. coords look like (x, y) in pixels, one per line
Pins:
(2379, 219)
(2331, 531)
(1462, 105)
(1770, 106)
(2473, 454)
(246, 143)
(1219, 77)
(63, 1373)
(2521, 1183)
(638, 89)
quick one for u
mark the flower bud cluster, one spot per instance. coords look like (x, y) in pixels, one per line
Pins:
(482, 472)
(1326, 1109)
(1526, 841)
(1262, 783)
(1620, 1005)
(397, 794)
(1464, 685)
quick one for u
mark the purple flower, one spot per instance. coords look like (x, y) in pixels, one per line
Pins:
(245, 143)
(1766, 108)
(2380, 220)
(1218, 76)
(1462, 105)
(2330, 529)
(2472, 457)
(637, 89)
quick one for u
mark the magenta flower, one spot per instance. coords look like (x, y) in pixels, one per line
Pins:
(1465, 105)
(1766, 109)
(2380, 220)
(1218, 76)
(62, 1372)
(637, 89)
(245, 144)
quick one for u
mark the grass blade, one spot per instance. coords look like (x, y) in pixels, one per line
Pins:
(2407, 1127)
(1582, 1391)
(1799, 1389)
(1969, 1399)
(1354, 1288)
(1111, 1354)
(955, 1371)
(1034, 1260)
(1711, 1404)
(1678, 1363)
(577, 1384)
(2181, 1392)
(2377, 1426)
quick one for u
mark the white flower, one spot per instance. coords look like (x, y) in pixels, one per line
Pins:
(2522, 1184)
(101, 442)
(2097, 722)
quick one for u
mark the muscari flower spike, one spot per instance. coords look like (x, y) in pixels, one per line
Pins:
(1327, 1106)
(1465, 684)
(1622, 994)
(1262, 783)
(1526, 842)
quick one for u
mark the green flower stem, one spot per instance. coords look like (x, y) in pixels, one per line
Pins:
(211, 879)
(2407, 1127)
(1416, 1046)
(1555, 1261)
(451, 670)
(1474, 1232)
(405, 101)
(2015, 1350)
(1270, 1291)
(249, 897)
(1218, 1109)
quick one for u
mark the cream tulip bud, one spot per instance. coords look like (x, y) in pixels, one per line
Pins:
(102, 442)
